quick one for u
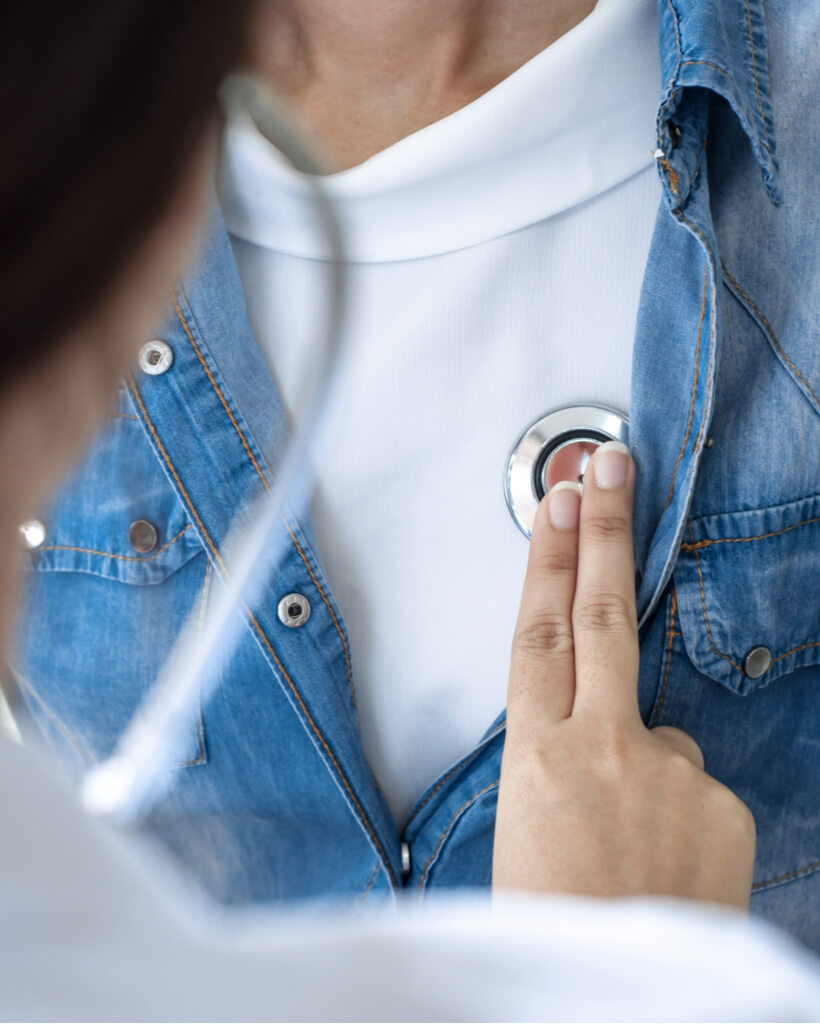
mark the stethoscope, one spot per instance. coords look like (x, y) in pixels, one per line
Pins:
(555, 447)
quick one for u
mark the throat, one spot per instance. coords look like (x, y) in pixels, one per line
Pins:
(362, 76)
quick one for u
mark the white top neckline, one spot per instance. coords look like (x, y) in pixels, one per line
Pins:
(438, 188)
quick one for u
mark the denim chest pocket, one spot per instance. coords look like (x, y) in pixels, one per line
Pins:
(107, 593)
(748, 593)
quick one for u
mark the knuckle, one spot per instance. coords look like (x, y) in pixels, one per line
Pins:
(732, 813)
(607, 528)
(547, 633)
(555, 562)
(604, 613)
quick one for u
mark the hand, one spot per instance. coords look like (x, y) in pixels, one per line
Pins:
(590, 800)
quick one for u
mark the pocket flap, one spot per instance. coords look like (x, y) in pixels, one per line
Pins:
(751, 580)
(88, 526)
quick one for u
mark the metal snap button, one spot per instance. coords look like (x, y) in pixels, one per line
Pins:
(33, 533)
(293, 610)
(556, 447)
(756, 662)
(156, 357)
(143, 536)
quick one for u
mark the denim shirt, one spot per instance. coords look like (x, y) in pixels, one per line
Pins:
(272, 797)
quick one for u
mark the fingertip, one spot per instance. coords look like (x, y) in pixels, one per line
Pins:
(610, 464)
(564, 505)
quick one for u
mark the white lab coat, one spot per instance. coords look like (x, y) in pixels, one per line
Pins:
(90, 929)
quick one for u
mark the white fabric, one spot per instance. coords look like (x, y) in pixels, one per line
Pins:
(87, 935)
(498, 256)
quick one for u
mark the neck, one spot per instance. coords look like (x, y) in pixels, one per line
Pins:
(364, 73)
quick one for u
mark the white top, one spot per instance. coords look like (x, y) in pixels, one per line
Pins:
(497, 260)
(92, 932)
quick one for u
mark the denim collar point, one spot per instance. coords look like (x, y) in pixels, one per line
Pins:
(720, 47)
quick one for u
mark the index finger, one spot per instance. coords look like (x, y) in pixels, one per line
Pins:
(542, 667)
(604, 616)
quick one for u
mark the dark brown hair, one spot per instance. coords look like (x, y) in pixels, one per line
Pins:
(103, 104)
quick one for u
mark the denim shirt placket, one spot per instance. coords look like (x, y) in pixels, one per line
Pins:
(217, 466)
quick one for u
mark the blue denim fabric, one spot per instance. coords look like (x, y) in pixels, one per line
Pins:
(273, 798)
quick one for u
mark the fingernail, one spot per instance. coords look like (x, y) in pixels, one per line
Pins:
(564, 505)
(610, 463)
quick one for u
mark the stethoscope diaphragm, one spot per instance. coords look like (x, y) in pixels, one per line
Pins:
(556, 446)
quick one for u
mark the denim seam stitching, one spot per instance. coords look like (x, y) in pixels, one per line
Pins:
(261, 633)
(663, 160)
(705, 616)
(712, 337)
(457, 767)
(780, 657)
(676, 26)
(670, 640)
(371, 883)
(789, 876)
(124, 416)
(814, 496)
(448, 830)
(696, 545)
(754, 75)
(725, 73)
(108, 554)
(694, 391)
(770, 333)
(261, 475)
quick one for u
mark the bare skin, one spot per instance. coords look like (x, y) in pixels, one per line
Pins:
(363, 74)
(590, 800)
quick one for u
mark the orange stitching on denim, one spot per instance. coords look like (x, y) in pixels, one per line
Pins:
(371, 883)
(260, 632)
(124, 416)
(216, 388)
(673, 174)
(676, 26)
(696, 545)
(265, 484)
(796, 650)
(107, 554)
(330, 609)
(683, 217)
(754, 74)
(449, 828)
(709, 63)
(786, 877)
(461, 764)
(720, 654)
(670, 637)
(694, 392)
(770, 333)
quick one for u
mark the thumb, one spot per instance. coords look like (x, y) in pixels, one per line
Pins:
(681, 742)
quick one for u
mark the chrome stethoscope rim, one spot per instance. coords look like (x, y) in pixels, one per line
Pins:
(528, 459)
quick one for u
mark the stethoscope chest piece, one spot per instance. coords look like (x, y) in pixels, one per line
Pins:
(556, 447)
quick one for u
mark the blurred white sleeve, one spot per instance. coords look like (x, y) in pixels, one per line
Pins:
(87, 934)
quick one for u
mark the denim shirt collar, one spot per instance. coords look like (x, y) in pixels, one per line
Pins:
(721, 47)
